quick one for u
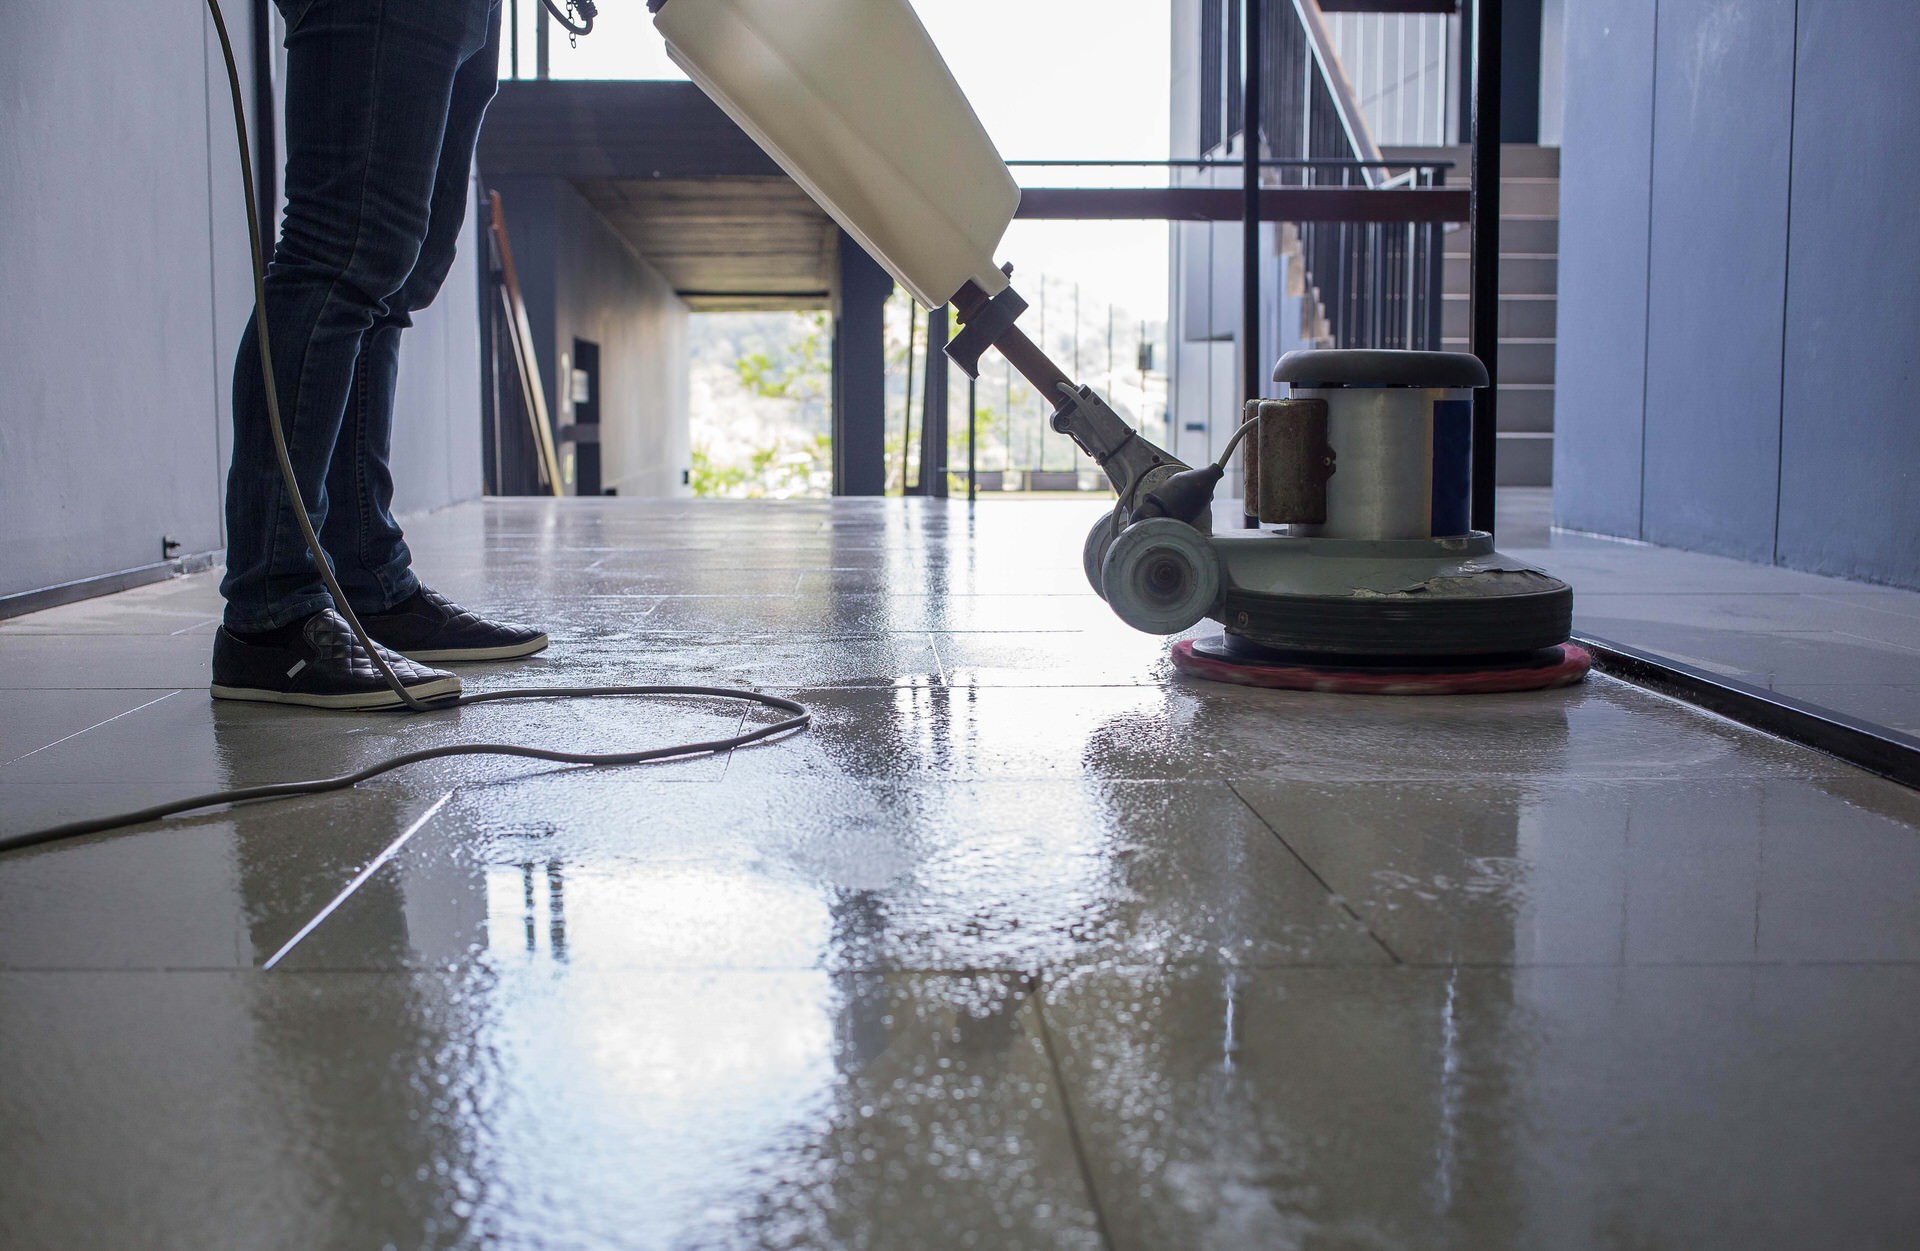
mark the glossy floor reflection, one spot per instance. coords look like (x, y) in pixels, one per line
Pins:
(1028, 943)
(1851, 647)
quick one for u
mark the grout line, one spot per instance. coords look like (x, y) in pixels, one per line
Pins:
(1692, 594)
(9, 688)
(1646, 270)
(1066, 1109)
(1834, 597)
(208, 109)
(726, 761)
(359, 879)
(1868, 638)
(96, 725)
(1655, 965)
(1325, 885)
(1786, 286)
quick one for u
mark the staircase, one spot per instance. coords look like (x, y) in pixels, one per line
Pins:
(1365, 287)
(1529, 282)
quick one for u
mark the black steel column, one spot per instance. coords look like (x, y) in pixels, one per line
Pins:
(1435, 234)
(1484, 232)
(1252, 367)
(933, 408)
(973, 435)
(512, 19)
(1463, 75)
(860, 373)
(542, 39)
(1520, 71)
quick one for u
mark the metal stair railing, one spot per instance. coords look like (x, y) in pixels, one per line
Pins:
(1377, 284)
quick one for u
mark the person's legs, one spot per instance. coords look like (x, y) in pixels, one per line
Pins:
(369, 553)
(370, 87)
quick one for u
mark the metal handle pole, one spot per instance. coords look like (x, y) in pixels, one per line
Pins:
(1250, 362)
(1484, 232)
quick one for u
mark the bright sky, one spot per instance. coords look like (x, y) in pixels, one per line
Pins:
(1049, 78)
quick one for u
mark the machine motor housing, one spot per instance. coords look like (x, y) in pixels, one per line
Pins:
(1366, 477)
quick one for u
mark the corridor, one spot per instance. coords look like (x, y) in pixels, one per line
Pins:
(1027, 942)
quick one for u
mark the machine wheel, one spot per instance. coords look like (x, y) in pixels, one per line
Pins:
(1093, 556)
(1161, 575)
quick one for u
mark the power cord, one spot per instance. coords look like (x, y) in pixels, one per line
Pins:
(1234, 443)
(798, 719)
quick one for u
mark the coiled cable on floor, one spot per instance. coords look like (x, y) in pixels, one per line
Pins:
(799, 716)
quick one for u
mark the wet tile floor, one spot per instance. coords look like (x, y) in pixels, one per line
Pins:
(1027, 943)
(1851, 647)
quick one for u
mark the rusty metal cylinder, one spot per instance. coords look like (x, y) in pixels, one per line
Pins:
(1287, 461)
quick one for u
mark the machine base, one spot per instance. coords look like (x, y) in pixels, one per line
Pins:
(1371, 601)
(1219, 659)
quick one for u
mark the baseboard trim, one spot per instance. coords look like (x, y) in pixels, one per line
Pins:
(21, 603)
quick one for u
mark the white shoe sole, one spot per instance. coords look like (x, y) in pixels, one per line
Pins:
(439, 688)
(457, 655)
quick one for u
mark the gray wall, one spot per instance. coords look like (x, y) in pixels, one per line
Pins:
(581, 280)
(1553, 65)
(123, 264)
(1850, 449)
(437, 424)
(1738, 313)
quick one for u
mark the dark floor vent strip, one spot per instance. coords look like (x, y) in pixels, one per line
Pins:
(1874, 748)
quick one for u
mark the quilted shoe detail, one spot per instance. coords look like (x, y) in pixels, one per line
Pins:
(324, 667)
(430, 627)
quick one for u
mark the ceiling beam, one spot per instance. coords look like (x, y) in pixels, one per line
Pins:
(592, 129)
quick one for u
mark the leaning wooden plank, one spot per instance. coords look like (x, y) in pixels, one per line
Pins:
(525, 361)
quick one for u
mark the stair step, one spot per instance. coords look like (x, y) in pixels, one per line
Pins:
(1510, 207)
(1520, 274)
(1517, 160)
(1521, 316)
(1525, 408)
(1525, 460)
(1519, 235)
(1522, 197)
(1521, 360)
(1528, 197)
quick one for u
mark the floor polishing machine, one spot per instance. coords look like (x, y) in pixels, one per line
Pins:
(1371, 579)
(1364, 576)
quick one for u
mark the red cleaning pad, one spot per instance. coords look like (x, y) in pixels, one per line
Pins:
(1556, 666)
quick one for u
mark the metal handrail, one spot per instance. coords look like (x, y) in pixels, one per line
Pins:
(1377, 284)
(1352, 120)
(1295, 162)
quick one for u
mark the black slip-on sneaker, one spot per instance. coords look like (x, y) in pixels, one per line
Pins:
(323, 667)
(430, 627)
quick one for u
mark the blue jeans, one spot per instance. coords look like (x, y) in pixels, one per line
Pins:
(384, 102)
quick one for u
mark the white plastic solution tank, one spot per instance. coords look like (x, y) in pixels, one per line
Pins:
(853, 100)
